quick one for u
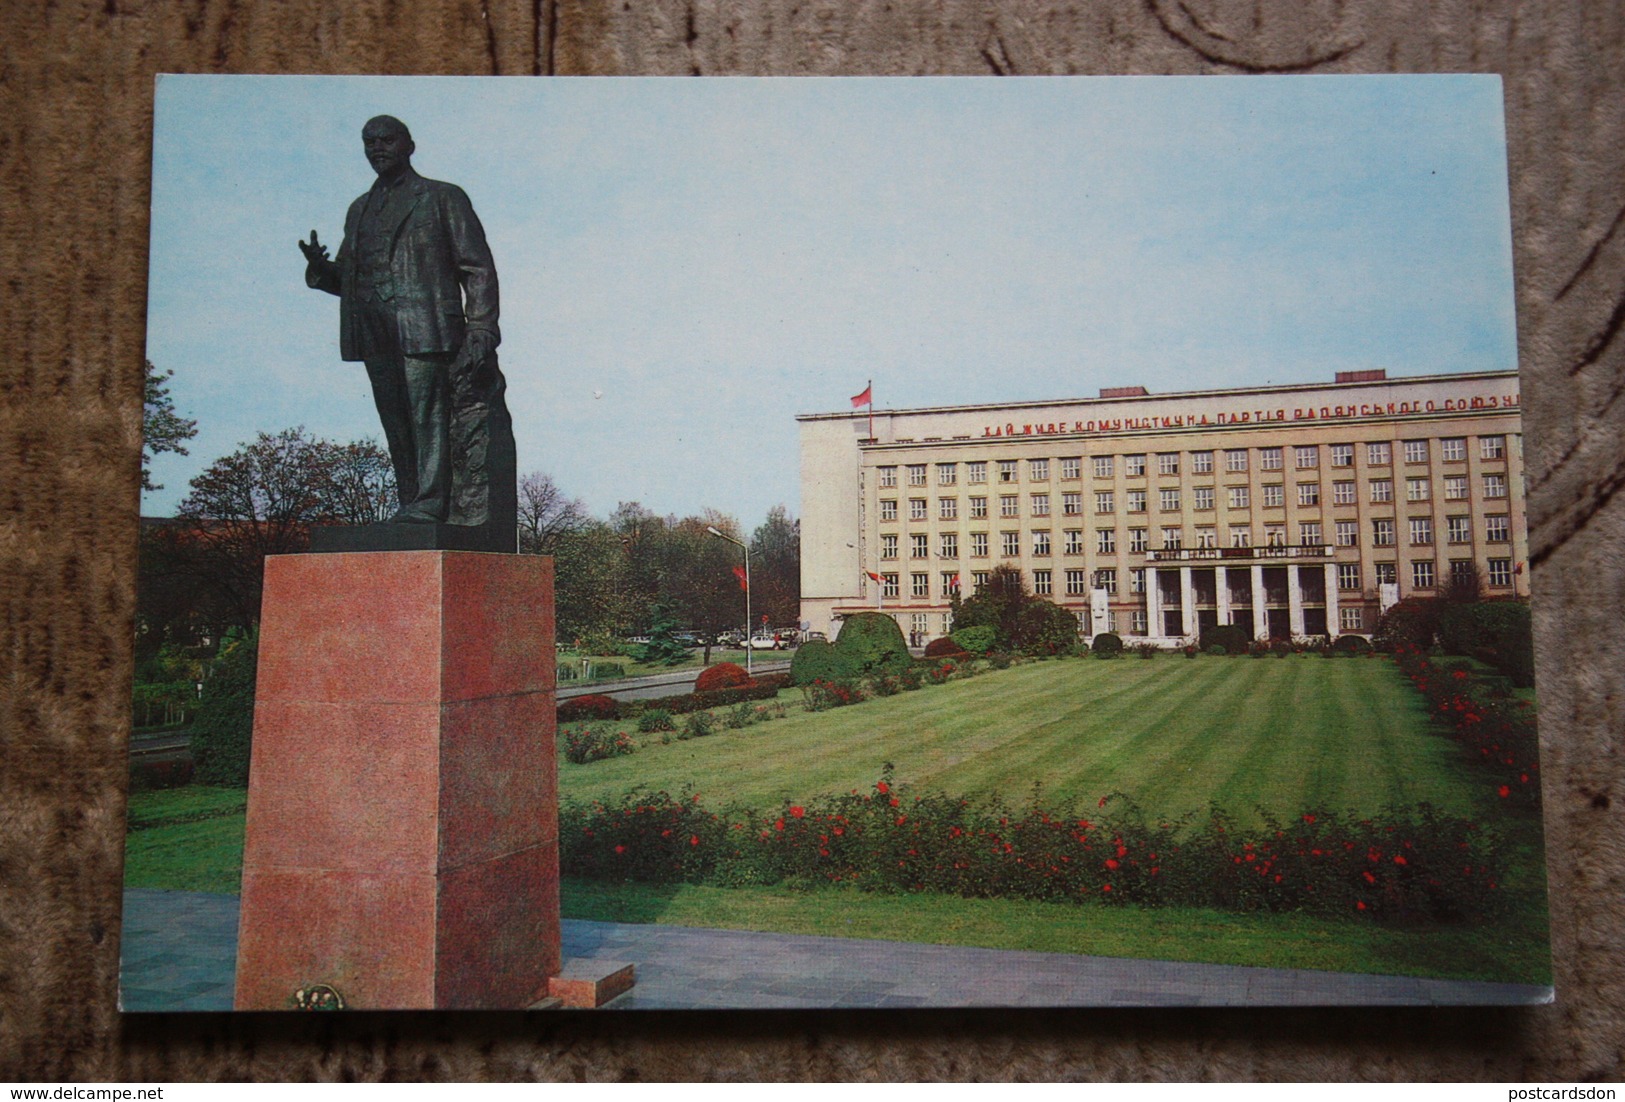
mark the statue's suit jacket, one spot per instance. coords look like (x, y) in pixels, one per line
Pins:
(442, 281)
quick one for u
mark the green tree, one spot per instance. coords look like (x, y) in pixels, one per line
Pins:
(162, 429)
(776, 568)
(1020, 621)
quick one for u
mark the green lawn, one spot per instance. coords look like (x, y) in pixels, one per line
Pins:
(1289, 734)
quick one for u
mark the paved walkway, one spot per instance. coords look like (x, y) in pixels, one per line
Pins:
(180, 954)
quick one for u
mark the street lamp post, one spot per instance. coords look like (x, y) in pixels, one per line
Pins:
(724, 536)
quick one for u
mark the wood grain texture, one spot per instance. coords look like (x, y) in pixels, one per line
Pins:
(76, 83)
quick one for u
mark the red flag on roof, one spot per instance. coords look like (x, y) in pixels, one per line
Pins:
(864, 398)
(739, 572)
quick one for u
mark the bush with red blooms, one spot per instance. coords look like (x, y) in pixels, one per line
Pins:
(723, 675)
(593, 706)
(945, 647)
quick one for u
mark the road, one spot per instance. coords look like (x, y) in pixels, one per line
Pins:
(660, 684)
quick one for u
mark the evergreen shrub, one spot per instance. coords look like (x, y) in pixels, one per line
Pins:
(1107, 645)
(225, 716)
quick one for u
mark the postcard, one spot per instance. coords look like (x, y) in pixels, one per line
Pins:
(805, 543)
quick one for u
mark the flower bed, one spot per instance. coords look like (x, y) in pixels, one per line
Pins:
(1497, 730)
(1411, 866)
(585, 744)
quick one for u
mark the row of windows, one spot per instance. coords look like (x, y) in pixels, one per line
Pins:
(1169, 500)
(1304, 457)
(1345, 533)
(1078, 583)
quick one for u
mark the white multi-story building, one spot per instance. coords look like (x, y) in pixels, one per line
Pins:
(1294, 510)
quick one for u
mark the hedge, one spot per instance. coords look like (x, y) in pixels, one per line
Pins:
(224, 729)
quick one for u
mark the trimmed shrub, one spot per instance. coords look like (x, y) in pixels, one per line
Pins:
(871, 642)
(592, 706)
(977, 640)
(1413, 622)
(1146, 650)
(655, 719)
(818, 660)
(1352, 645)
(1498, 632)
(945, 647)
(1217, 650)
(225, 716)
(723, 675)
(1107, 645)
(765, 687)
(1232, 637)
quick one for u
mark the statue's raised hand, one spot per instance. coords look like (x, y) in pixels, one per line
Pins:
(315, 252)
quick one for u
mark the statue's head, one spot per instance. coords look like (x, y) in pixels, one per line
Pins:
(388, 145)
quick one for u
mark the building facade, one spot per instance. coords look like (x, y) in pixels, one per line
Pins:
(1300, 510)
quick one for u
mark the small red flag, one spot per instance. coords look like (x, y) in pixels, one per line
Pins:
(874, 576)
(739, 572)
(864, 398)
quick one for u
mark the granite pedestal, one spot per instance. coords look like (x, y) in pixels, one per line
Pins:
(402, 836)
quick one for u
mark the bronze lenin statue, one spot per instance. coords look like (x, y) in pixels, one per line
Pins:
(418, 305)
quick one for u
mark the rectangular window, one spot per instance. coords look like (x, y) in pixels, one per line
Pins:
(1348, 575)
(920, 585)
(888, 510)
(1416, 451)
(1462, 572)
(1308, 493)
(1458, 529)
(1455, 487)
(1107, 580)
(978, 508)
(1343, 493)
(1492, 447)
(1453, 449)
(1009, 505)
(1011, 544)
(947, 508)
(1497, 529)
(949, 545)
(1421, 531)
(1495, 485)
(1106, 541)
(1173, 538)
(1416, 489)
(1348, 533)
(1382, 532)
(1351, 619)
(1134, 465)
(1274, 495)
(1040, 505)
(1422, 574)
(1342, 455)
(916, 474)
(1169, 500)
(1041, 583)
(1239, 497)
(1235, 460)
(1379, 454)
(1138, 540)
(1072, 467)
(1074, 542)
(978, 580)
(888, 545)
(1306, 456)
(1201, 462)
(1309, 534)
(888, 476)
(1168, 463)
(1007, 470)
(1038, 470)
(1137, 622)
(1041, 543)
(1240, 536)
(1136, 501)
(950, 583)
(919, 545)
(1269, 459)
(1072, 503)
(1500, 573)
(1103, 466)
(1204, 497)
(889, 586)
(916, 508)
(1077, 583)
(947, 474)
(1136, 581)
(978, 545)
(1382, 489)
(1207, 536)
(1387, 573)
(1105, 501)
(975, 472)
(1275, 535)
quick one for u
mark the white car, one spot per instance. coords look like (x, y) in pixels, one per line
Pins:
(766, 642)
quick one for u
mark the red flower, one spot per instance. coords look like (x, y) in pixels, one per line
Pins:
(1399, 859)
(1103, 801)
(620, 849)
(694, 839)
(1360, 903)
(882, 787)
(1505, 791)
(796, 812)
(1111, 863)
(1105, 887)
(1309, 819)
(779, 825)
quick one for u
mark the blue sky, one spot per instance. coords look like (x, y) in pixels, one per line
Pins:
(687, 264)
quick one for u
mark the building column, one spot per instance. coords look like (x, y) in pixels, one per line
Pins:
(1221, 592)
(1153, 603)
(1294, 600)
(1331, 600)
(1261, 622)
(1187, 602)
